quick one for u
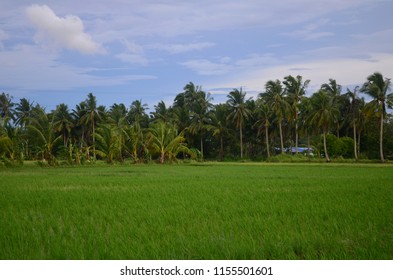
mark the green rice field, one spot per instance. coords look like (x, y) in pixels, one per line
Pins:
(197, 211)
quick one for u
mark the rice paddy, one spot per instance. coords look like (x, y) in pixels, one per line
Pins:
(197, 211)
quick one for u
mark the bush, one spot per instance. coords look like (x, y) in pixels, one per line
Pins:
(339, 147)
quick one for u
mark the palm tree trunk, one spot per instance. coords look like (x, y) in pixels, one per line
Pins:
(325, 147)
(267, 141)
(381, 138)
(355, 149)
(162, 158)
(281, 139)
(358, 146)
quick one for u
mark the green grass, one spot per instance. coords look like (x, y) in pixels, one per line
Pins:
(201, 211)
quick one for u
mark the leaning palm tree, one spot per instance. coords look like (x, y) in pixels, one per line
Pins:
(238, 112)
(274, 98)
(295, 89)
(378, 87)
(325, 113)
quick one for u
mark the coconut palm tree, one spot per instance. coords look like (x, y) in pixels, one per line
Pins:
(90, 117)
(117, 118)
(238, 112)
(137, 113)
(274, 97)
(161, 112)
(6, 106)
(63, 122)
(335, 90)
(263, 123)
(42, 128)
(305, 120)
(377, 87)
(325, 113)
(109, 142)
(220, 125)
(354, 115)
(23, 112)
(295, 89)
(163, 138)
(200, 116)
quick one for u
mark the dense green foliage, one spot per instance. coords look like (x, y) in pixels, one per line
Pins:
(281, 120)
(197, 211)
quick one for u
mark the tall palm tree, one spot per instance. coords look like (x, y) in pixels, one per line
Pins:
(263, 123)
(90, 117)
(305, 120)
(162, 112)
(238, 112)
(274, 96)
(200, 115)
(295, 89)
(23, 112)
(377, 87)
(354, 114)
(325, 113)
(220, 125)
(137, 112)
(6, 106)
(334, 90)
(117, 113)
(63, 122)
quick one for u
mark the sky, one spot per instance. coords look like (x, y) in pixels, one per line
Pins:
(54, 52)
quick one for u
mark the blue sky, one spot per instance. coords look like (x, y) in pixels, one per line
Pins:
(54, 52)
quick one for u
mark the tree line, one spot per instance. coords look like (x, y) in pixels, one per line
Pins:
(282, 120)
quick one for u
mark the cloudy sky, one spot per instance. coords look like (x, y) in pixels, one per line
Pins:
(54, 52)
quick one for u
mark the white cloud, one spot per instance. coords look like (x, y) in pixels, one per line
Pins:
(347, 71)
(310, 31)
(3, 37)
(133, 58)
(380, 40)
(181, 48)
(256, 60)
(134, 54)
(67, 32)
(206, 67)
(33, 68)
(226, 64)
